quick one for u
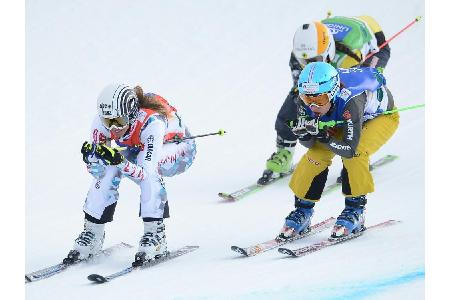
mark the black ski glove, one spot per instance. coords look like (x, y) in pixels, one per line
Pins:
(109, 156)
(88, 151)
(302, 135)
(323, 136)
(313, 128)
(298, 128)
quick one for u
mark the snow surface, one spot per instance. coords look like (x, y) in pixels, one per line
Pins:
(223, 64)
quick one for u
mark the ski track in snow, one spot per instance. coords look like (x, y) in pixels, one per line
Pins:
(356, 290)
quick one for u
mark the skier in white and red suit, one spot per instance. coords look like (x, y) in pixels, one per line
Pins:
(149, 133)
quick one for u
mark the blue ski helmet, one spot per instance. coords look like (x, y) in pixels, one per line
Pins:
(319, 78)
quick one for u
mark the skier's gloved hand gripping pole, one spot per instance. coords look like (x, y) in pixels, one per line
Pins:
(88, 151)
(112, 156)
(109, 156)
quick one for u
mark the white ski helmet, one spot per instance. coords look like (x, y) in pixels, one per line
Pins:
(117, 105)
(313, 42)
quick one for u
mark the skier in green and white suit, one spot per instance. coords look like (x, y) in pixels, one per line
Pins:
(342, 41)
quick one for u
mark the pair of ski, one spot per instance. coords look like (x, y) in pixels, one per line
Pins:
(58, 268)
(251, 189)
(302, 251)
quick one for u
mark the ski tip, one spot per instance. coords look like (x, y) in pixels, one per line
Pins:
(27, 279)
(97, 278)
(385, 223)
(126, 245)
(394, 221)
(286, 251)
(191, 248)
(226, 196)
(239, 250)
(389, 157)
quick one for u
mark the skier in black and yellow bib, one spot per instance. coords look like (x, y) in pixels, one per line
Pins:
(344, 42)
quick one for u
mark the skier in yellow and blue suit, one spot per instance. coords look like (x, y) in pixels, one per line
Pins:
(344, 42)
(355, 99)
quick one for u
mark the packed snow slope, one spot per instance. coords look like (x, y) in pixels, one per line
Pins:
(223, 64)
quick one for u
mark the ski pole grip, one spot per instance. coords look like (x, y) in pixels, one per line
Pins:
(331, 123)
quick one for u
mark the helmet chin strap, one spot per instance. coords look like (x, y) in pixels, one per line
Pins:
(331, 108)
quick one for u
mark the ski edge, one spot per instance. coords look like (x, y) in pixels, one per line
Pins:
(58, 268)
(286, 251)
(316, 228)
(250, 189)
(331, 242)
(99, 279)
(226, 196)
(237, 195)
(239, 250)
(382, 161)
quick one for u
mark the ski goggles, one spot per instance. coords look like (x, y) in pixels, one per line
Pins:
(117, 123)
(315, 99)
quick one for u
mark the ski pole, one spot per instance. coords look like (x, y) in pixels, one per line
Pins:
(402, 109)
(333, 123)
(178, 140)
(417, 19)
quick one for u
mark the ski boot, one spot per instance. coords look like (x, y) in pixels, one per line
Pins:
(277, 165)
(88, 243)
(351, 220)
(152, 244)
(299, 220)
